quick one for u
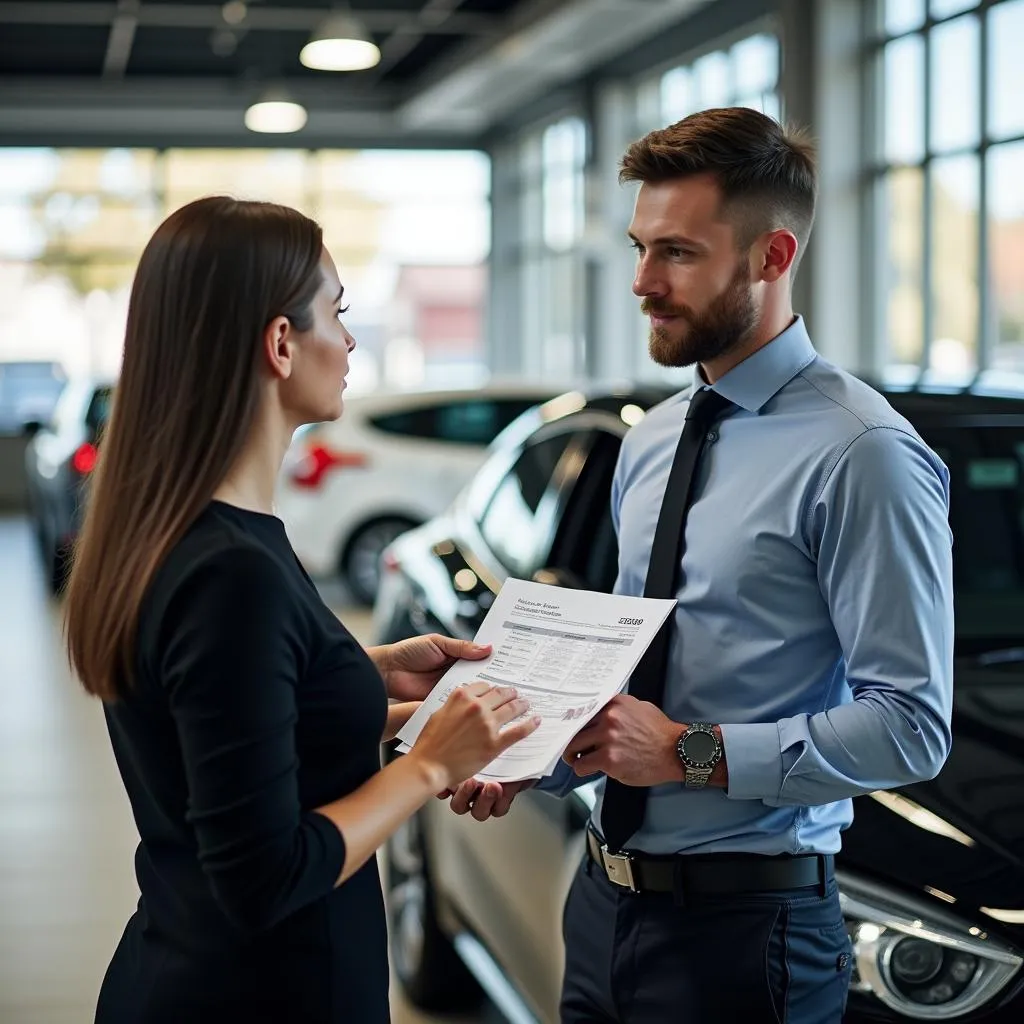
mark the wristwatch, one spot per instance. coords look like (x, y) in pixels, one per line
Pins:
(700, 750)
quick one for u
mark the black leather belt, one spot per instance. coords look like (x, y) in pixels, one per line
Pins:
(708, 874)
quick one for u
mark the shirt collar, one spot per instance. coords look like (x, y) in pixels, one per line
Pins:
(765, 373)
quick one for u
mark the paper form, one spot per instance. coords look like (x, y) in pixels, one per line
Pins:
(568, 652)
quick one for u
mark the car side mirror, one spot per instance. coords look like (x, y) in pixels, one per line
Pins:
(30, 428)
(556, 577)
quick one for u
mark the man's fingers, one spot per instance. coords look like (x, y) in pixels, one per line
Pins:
(584, 740)
(464, 796)
(588, 764)
(485, 800)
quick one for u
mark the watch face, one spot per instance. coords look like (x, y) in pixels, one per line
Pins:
(699, 747)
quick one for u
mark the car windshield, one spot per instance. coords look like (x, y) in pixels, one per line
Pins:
(986, 467)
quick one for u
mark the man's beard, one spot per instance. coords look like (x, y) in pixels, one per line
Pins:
(719, 329)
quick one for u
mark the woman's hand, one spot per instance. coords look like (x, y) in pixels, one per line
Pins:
(411, 667)
(467, 733)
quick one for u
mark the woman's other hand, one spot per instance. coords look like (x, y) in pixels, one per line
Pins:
(411, 667)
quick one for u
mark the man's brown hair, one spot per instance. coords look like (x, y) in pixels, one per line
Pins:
(766, 172)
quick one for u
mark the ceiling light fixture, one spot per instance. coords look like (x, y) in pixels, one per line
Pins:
(275, 113)
(340, 43)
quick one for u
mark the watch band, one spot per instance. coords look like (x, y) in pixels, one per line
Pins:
(697, 778)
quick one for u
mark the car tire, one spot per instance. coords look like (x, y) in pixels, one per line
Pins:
(360, 562)
(425, 963)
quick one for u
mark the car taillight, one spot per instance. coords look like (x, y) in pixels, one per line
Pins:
(388, 561)
(84, 460)
(311, 469)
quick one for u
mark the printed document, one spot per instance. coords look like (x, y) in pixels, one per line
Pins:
(568, 652)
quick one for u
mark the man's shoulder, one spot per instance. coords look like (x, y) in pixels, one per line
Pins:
(853, 404)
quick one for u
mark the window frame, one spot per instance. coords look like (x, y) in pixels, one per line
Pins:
(879, 168)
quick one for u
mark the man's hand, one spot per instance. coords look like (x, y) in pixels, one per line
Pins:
(630, 740)
(411, 667)
(486, 799)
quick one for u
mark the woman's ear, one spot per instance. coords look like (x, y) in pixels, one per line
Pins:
(278, 345)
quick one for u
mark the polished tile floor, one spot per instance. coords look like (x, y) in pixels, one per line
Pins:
(66, 833)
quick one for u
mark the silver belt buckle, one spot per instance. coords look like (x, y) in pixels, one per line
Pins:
(619, 868)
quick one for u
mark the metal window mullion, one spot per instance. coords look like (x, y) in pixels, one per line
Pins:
(927, 233)
(872, 262)
(986, 339)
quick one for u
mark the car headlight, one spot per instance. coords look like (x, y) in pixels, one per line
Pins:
(918, 959)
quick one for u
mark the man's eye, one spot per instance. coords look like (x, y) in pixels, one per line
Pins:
(637, 247)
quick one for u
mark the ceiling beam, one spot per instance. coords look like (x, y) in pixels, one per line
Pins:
(122, 35)
(263, 17)
(198, 112)
(402, 41)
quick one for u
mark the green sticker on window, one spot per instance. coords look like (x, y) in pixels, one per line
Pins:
(992, 474)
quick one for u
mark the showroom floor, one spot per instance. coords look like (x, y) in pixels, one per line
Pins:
(66, 834)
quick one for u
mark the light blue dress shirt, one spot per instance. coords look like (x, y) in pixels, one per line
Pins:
(815, 614)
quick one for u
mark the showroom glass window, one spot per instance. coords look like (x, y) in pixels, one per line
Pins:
(551, 181)
(948, 225)
(410, 232)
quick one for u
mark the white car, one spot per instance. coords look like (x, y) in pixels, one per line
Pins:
(350, 487)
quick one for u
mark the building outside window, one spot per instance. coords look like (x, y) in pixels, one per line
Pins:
(410, 232)
(551, 183)
(948, 226)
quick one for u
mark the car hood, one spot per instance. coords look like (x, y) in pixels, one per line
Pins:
(960, 837)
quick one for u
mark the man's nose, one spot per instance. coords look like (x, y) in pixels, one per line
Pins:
(646, 281)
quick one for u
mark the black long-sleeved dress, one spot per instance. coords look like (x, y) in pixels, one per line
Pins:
(252, 705)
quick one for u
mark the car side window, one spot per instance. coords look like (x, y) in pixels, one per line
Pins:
(407, 423)
(510, 521)
(98, 413)
(476, 421)
(585, 543)
(986, 467)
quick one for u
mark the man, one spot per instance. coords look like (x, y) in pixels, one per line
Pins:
(810, 656)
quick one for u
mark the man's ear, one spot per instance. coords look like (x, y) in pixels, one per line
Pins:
(278, 345)
(777, 252)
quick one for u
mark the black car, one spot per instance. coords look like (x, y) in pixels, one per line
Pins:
(59, 458)
(931, 876)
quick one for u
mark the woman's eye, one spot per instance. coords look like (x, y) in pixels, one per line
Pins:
(342, 311)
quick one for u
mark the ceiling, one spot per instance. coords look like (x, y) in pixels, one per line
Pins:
(154, 72)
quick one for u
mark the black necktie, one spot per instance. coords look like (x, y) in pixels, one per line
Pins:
(623, 810)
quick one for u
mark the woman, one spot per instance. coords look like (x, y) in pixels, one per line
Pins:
(245, 719)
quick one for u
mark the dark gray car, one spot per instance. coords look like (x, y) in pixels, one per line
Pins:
(59, 459)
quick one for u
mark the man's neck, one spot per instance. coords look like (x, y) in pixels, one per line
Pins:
(766, 331)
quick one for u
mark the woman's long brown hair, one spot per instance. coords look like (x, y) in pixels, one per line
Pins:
(210, 280)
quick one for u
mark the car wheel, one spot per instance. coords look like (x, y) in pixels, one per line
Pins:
(360, 565)
(425, 963)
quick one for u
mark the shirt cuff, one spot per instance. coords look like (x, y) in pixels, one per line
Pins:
(753, 758)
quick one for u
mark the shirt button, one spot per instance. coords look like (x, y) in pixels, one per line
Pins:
(712, 436)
